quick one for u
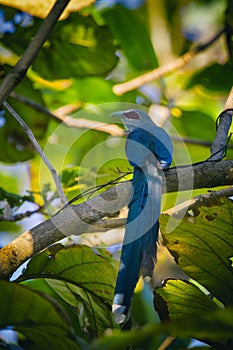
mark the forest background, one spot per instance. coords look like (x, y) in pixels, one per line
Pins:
(60, 81)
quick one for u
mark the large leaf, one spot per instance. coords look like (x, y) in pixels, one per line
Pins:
(83, 278)
(132, 36)
(38, 317)
(189, 125)
(178, 299)
(216, 78)
(202, 244)
(197, 315)
(142, 338)
(77, 47)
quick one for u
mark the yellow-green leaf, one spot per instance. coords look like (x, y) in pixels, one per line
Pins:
(41, 8)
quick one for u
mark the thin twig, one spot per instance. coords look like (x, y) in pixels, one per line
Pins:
(18, 72)
(39, 150)
(229, 102)
(120, 89)
(166, 343)
(20, 216)
(218, 147)
(80, 123)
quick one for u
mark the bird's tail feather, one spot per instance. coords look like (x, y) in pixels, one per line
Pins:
(137, 255)
(126, 280)
(148, 255)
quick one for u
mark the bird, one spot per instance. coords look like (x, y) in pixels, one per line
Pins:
(149, 150)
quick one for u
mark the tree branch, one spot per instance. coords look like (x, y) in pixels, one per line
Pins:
(219, 145)
(120, 89)
(20, 216)
(194, 203)
(81, 218)
(39, 150)
(18, 72)
(80, 123)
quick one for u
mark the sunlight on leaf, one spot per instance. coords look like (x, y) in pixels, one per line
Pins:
(91, 53)
(41, 8)
(202, 245)
(178, 299)
(197, 314)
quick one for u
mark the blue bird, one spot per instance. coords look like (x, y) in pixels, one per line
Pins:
(149, 150)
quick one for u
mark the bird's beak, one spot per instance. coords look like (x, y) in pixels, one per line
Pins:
(118, 114)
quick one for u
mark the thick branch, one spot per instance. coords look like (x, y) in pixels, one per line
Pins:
(81, 218)
(20, 69)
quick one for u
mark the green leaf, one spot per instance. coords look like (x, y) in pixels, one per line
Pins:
(14, 199)
(202, 244)
(141, 337)
(38, 317)
(83, 278)
(178, 299)
(15, 145)
(189, 125)
(214, 328)
(94, 90)
(215, 78)
(132, 35)
(77, 47)
(181, 302)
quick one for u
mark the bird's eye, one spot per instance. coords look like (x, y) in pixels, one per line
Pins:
(132, 115)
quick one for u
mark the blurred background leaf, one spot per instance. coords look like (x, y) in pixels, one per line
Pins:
(79, 40)
(32, 314)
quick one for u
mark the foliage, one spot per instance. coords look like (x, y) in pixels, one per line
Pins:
(63, 297)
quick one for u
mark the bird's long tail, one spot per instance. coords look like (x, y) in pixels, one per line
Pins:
(138, 253)
(138, 256)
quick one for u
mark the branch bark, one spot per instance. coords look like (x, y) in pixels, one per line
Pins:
(82, 218)
(19, 71)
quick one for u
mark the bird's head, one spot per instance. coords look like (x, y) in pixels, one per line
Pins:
(132, 118)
